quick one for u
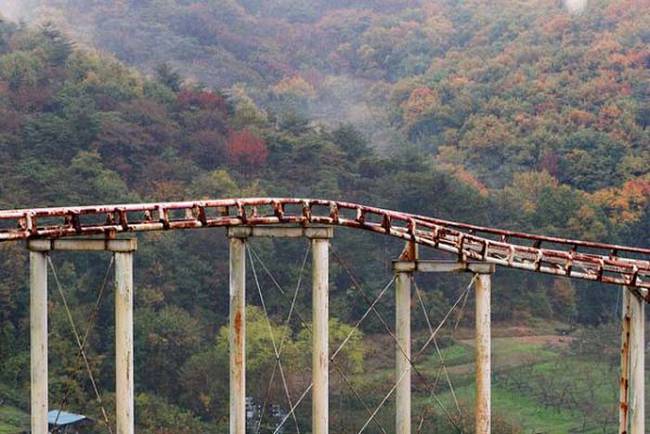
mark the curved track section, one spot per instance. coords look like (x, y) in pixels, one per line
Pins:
(584, 260)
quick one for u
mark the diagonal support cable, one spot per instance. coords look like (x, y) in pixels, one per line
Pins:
(443, 367)
(293, 409)
(356, 394)
(80, 344)
(308, 328)
(461, 312)
(390, 332)
(355, 328)
(93, 317)
(286, 323)
(432, 335)
(431, 390)
(275, 347)
(363, 317)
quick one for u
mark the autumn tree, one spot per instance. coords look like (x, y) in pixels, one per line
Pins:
(246, 151)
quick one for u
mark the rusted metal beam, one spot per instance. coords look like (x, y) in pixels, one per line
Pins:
(624, 382)
(607, 263)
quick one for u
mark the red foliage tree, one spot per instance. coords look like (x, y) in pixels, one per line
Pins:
(246, 150)
(202, 99)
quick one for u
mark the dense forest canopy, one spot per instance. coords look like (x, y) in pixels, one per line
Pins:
(516, 114)
(497, 88)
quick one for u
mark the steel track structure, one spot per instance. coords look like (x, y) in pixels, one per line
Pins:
(585, 260)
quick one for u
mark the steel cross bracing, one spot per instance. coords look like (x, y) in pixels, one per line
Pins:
(608, 263)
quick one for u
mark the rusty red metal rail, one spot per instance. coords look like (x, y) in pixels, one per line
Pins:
(608, 263)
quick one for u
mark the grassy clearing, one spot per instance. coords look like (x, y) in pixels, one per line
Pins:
(516, 409)
(13, 420)
(507, 353)
(538, 385)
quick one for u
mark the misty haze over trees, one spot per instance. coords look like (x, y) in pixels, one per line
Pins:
(531, 115)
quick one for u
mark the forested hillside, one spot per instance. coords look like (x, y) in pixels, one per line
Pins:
(512, 114)
(495, 87)
(540, 109)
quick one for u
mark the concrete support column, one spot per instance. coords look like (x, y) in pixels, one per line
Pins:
(483, 289)
(632, 384)
(123, 250)
(320, 353)
(319, 236)
(38, 340)
(483, 347)
(403, 354)
(124, 389)
(237, 336)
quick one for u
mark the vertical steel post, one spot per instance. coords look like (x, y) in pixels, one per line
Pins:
(632, 384)
(483, 347)
(237, 335)
(38, 344)
(320, 353)
(124, 393)
(403, 354)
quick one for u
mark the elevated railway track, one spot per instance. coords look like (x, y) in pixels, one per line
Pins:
(476, 249)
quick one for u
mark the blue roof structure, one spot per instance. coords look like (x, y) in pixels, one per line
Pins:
(62, 418)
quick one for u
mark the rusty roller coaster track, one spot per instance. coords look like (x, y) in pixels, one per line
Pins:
(608, 263)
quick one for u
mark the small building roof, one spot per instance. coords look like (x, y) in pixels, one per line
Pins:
(62, 418)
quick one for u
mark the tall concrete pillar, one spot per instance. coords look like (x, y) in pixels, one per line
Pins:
(319, 236)
(237, 336)
(632, 385)
(124, 390)
(483, 347)
(320, 353)
(403, 354)
(123, 250)
(38, 340)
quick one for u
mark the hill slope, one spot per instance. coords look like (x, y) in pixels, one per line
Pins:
(498, 88)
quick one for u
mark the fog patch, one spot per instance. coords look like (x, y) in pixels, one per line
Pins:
(575, 6)
(12, 9)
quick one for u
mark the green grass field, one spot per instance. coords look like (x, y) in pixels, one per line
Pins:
(13, 420)
(540, 385)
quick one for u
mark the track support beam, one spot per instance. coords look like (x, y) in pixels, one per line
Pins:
(319, 237)
(632, 383)
(403, 270)
(124, 384)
